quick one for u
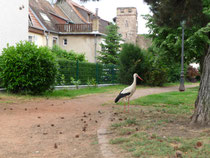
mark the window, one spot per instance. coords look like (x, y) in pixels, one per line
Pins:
(55, 39)
(126, 23)
(30, 39)
(129, 10)
(44, 16)
(65, 42)
(88, 17)
(121, 10)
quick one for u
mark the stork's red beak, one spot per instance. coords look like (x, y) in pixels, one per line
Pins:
(140, 78)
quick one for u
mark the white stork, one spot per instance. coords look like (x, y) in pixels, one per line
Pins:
(128, 91)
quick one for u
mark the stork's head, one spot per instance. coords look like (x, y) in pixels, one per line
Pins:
(136, 75)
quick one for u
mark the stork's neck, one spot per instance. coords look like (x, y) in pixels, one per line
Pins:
(134, 82)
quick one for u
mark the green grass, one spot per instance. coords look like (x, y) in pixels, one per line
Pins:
(145, 145)
(162, 127)
(70, 93)
(83, 91)
(171, 102)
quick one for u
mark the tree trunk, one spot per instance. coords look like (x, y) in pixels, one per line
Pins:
(201, 114)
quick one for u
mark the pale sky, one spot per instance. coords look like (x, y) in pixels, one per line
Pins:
(107, 10)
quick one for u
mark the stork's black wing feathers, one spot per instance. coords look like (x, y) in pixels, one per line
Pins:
(121, 96)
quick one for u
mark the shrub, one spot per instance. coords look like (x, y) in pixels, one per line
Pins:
(27, 68)
(192, 74)
(131, 60)
(70, 55)
(1, 61)
(156, 77)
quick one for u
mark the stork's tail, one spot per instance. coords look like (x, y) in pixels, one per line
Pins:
(118, 98)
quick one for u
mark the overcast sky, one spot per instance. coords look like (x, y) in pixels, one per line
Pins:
(107, 10)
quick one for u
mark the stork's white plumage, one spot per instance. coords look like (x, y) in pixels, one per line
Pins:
(128, 92)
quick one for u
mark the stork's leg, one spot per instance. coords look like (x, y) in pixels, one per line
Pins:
(124, 105)
(128, 104)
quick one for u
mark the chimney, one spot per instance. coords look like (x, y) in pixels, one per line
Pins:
(96, 22)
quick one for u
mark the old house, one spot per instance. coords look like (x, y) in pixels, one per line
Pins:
(66, 24)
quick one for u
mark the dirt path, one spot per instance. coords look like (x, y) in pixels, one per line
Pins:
(59, 128)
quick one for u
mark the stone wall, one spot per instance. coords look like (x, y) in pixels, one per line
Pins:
(127, 22)
(143, 42)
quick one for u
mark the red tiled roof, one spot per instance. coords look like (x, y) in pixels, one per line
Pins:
(34, 20)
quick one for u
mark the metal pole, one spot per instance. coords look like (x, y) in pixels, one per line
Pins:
(182, 87)
(77, 70)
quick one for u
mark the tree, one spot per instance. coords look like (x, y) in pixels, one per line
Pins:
(110, 50)
(196, 13)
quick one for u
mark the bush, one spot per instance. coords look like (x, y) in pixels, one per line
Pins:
(192, 74)
(156, 77)
(131, 60)
(27, 68)
(70, 55)
(1, 61)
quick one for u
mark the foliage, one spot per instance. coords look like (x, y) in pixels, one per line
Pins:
(192, 74)
(27, 68)
(1, 61)
(84, 71)
(70, 55)
(110, 50)
(167, 42)
(166, 30)
(75, 82)
(131, 60)
(190, 11)
(91, 82)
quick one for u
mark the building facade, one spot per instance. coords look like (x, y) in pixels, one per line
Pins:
(68, 25)
(14, 22)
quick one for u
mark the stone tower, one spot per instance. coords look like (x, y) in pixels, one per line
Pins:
(127, 22)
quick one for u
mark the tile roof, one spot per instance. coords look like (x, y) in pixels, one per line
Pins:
(47, 14)
(34, 21)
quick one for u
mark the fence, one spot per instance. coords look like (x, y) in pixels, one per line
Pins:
(85, 72)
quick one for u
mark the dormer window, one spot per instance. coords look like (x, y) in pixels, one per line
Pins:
(44, 16)
(30, 21)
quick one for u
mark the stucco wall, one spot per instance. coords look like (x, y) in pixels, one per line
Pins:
(82, 44)
(38, 39)
(13, 22)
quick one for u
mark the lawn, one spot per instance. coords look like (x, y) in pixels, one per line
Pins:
(158, 126)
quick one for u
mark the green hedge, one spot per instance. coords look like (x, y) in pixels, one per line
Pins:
(84, 71)
(27, 68)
